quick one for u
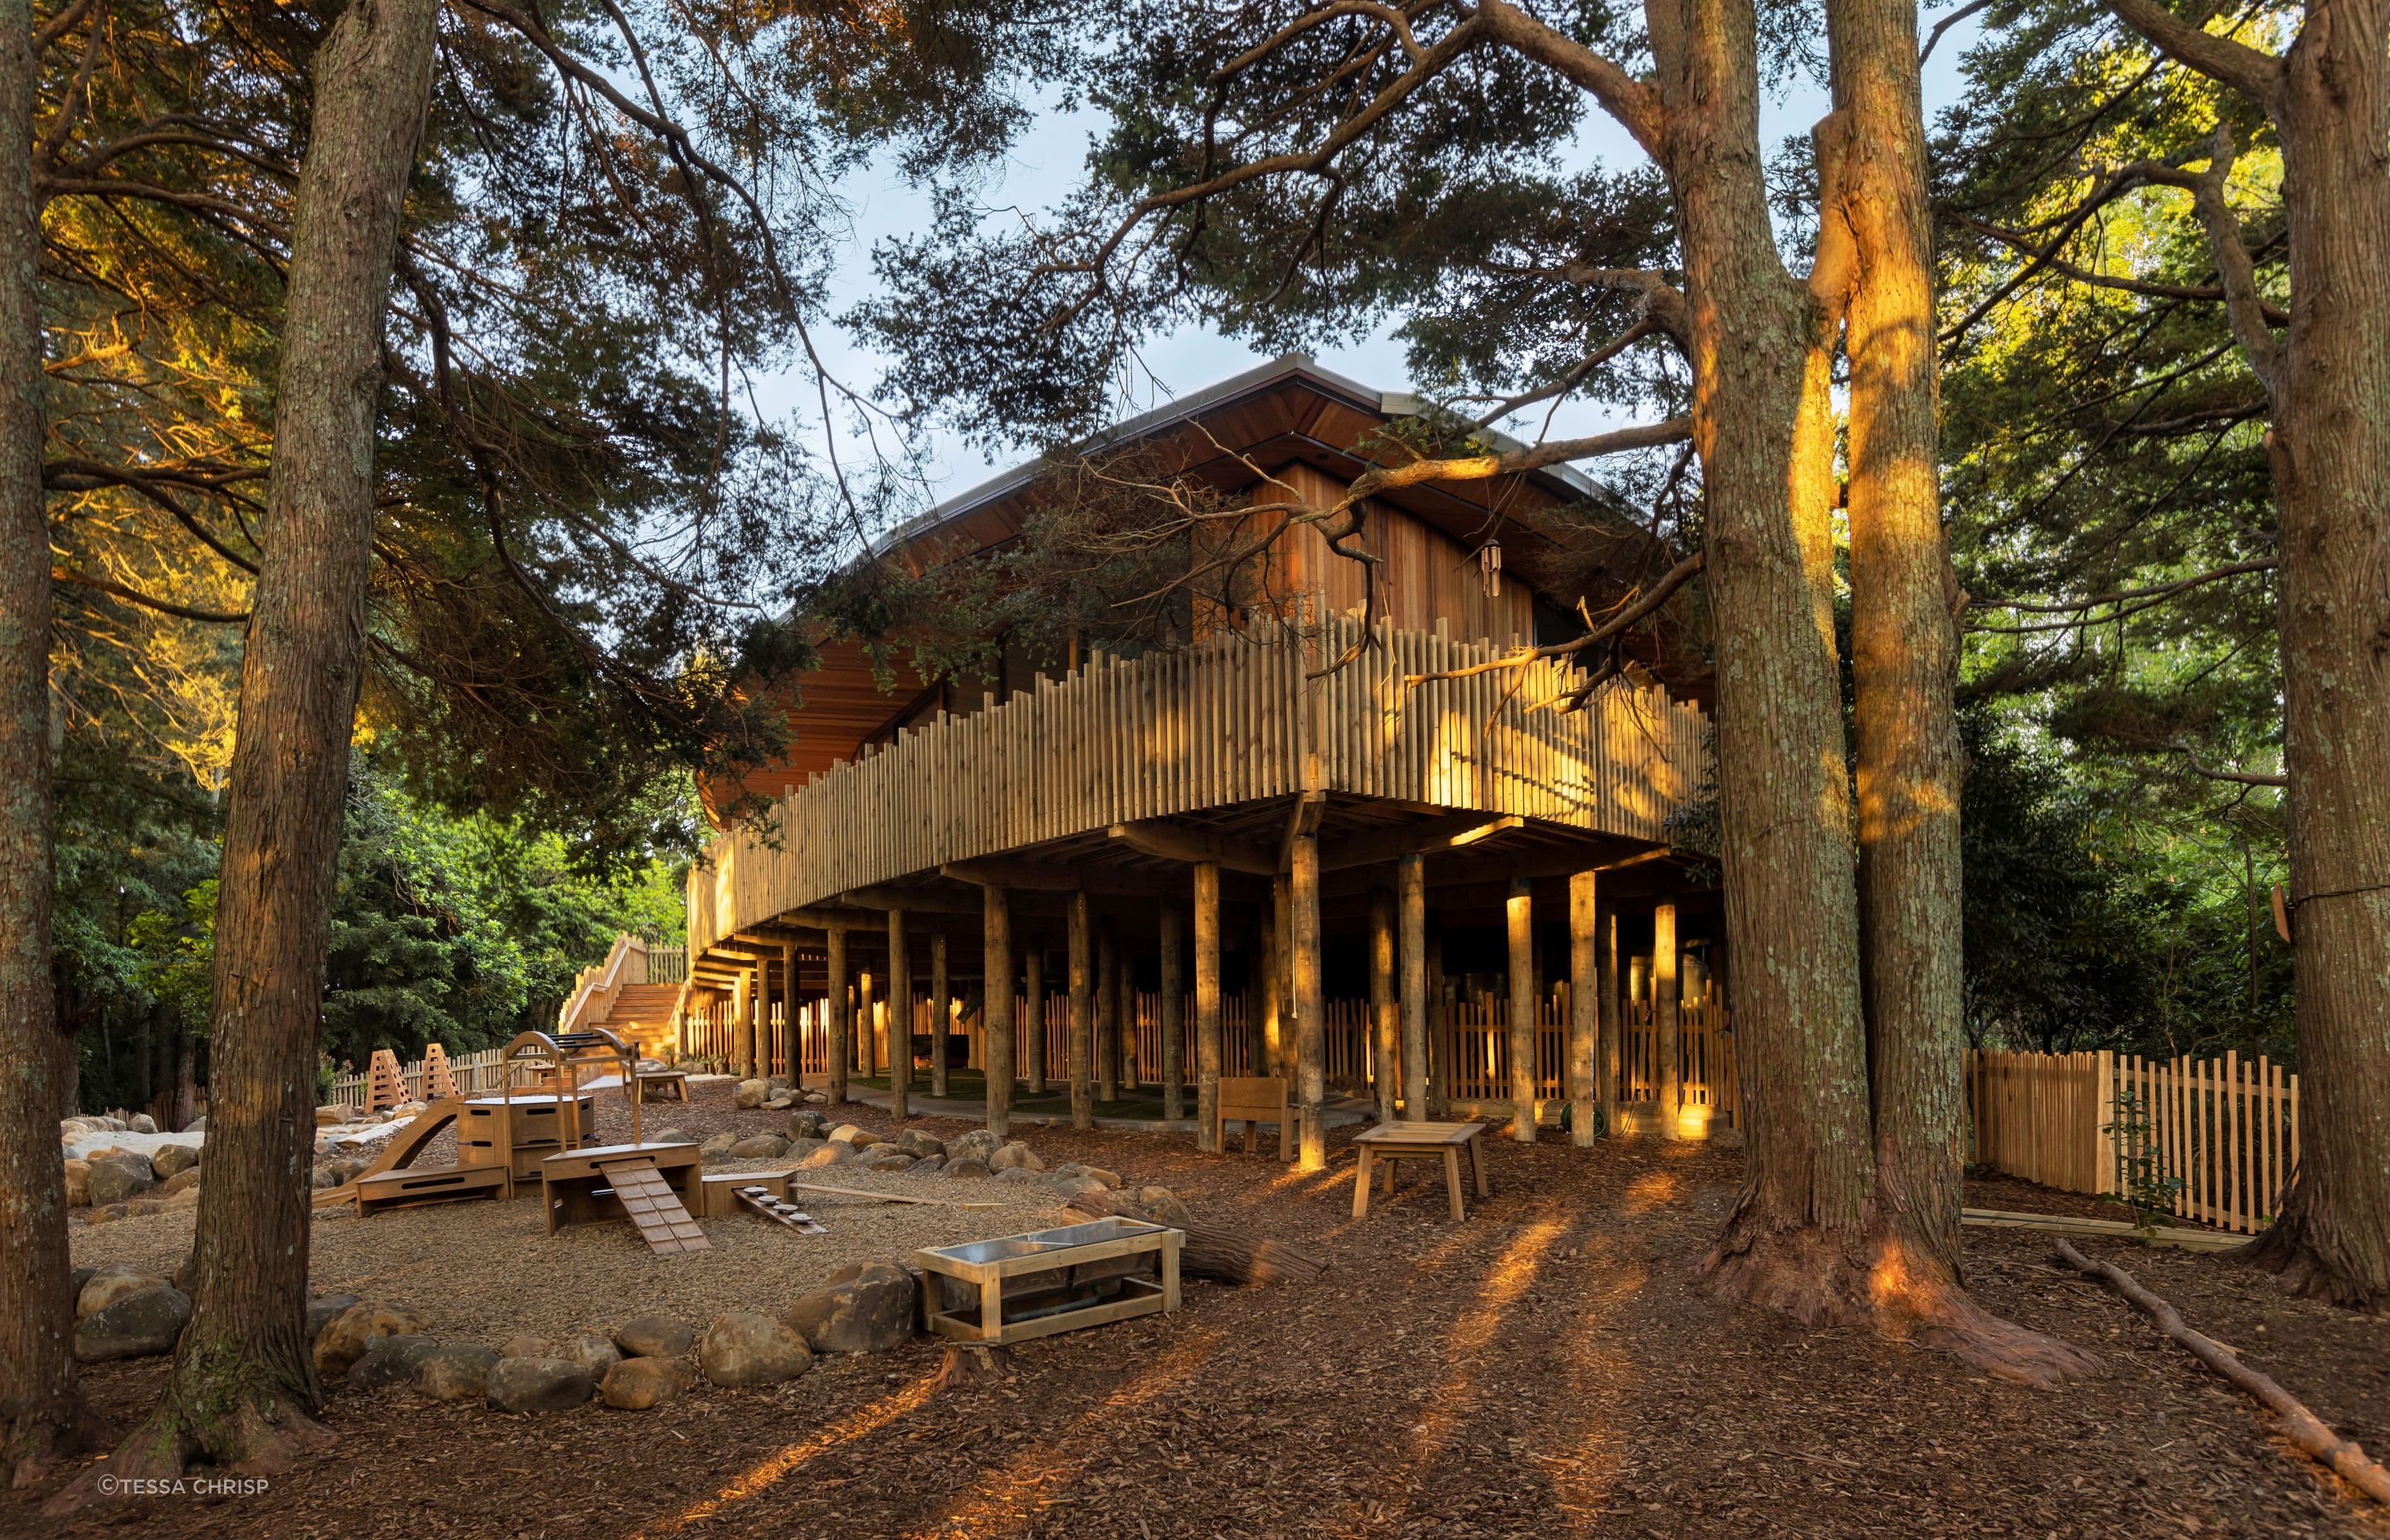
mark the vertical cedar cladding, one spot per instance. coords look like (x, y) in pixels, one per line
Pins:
(1426, 576)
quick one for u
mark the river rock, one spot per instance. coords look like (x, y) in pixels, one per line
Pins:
(671, 1136)
(807, 1123)
(457, 1371)
(183, 1181)
(593, 1350)
(830, 1155)
(78, 1184)
(637, 1384)
(750, 1093)
(137, 1326)
(118, 1176)
(887, 1160)
(1068, 1187)
(535, 1385)
(322, 1310)
(746, 1347)
(141, 1123)
(848, 1134)
(169, 1159)
(110, 1282)
(391, 1361)
(655, 1336)
(759, 1146)
(865, 1307)
(966, 1171)
(1021, 1176)
(353, 1330)
(1164, 1207)
(1106, 1179)
(977, 1145)
(921, 1144)
(1015, 1156)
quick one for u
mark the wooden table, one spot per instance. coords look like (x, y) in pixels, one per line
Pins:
(1052, 1280)
(1420, 1141)
(660, 1083)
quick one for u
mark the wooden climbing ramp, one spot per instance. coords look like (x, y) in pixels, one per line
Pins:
(654, 1208)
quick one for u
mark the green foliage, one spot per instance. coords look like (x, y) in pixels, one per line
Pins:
(2141, 1167)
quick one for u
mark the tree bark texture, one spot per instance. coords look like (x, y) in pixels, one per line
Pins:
(2330, 450)
(1667, 1004)
(1760, 342)
(1904, 637)
(1033, 988)
(243, 1391)
(942, 1013)
(1107, 1016)
(40, 1407)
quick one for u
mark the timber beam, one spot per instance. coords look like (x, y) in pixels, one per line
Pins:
(1169, 840)
(1381, 845)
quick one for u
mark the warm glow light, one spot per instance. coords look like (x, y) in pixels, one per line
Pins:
(763, 1475)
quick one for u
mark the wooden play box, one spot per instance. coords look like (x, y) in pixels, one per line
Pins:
(540, 1123)
(1047, 1281)
(653, 1186)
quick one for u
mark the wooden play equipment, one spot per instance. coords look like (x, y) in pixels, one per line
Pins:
(650, 1185)
(384, 1085)
(438, 1082)
(1442, 1142)
(1254, 1100)
(1035, 1285)
(779, 1210)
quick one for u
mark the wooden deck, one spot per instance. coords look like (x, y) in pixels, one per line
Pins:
(1231, 721)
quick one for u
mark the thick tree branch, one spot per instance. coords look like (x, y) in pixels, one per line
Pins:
(133, 595)
(2127, 595)
(1633, 102)
(1645, 603)
(2248, 70)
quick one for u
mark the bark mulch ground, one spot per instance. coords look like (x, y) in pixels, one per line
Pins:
(1549, 1367)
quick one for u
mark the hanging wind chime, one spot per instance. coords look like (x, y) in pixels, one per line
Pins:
(1489, 560)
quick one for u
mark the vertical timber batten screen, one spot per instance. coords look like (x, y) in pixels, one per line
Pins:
(1226, 721)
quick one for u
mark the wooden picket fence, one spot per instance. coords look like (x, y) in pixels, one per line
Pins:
(473, 1075)
(2225, 1131)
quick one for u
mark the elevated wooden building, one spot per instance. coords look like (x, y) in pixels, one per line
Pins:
(1129, 876)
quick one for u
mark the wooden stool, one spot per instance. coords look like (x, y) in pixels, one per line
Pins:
(1253, 1100)
(1420, 1141)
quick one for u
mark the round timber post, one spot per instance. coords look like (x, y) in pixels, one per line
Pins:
(900, 1019)
(1083, 1026)
(1664, 1019)
(1172, 1009)
(1207, 1001)
(1584, 1006)
(840, 1006)
(996, 1007)
(1412, 901)
(1382, 1031)
(941, 1012)
(1310, 1003)
(1033, 1037)
(1519, 1011)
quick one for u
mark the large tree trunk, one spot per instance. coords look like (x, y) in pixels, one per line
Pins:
(1904, 663)
(41, 1412)
(2331, 452)
(243, 1390)
(1760, 344)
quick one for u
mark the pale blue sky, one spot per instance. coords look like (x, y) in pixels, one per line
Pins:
(1048, 162)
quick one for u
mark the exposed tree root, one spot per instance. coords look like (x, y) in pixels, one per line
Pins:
(2305, 1252)
(235, 1420)
(968, 1364)
(34, 1445)
(1858, 1276)
(2305, 1429)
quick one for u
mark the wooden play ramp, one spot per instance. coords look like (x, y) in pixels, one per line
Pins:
(654, 1208)
(398, 1149)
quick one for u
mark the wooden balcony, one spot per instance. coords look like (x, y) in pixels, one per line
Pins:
(1232, 722)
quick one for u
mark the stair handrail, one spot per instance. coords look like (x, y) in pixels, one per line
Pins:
(594, 989)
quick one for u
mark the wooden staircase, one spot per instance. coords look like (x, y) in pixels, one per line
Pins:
(641, 1016)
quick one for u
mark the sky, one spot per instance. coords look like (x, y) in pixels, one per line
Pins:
(1048, 162)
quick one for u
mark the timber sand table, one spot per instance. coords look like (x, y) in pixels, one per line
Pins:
(1030, 1286)
(1390, 1142)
